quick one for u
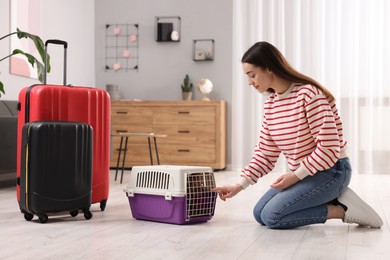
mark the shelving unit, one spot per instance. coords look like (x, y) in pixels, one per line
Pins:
(122, 47)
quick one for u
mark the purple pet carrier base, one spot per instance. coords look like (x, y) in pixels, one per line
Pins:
(157, 208)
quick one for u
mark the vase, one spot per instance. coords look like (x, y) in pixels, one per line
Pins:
(113, 91)
(187, 95)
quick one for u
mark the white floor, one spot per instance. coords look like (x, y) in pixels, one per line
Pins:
(231, 234)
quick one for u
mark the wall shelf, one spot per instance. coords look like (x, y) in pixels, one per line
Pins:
(203, 50)
(167, 29)
(122, 47)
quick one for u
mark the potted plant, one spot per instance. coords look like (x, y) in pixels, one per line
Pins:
(31, 59)
(186, 88)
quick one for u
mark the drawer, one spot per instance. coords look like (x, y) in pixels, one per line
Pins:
(184, 115)
(132, 115)
(181, 134)
(188, 154)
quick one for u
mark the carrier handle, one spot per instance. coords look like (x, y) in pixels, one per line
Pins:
(58, 42)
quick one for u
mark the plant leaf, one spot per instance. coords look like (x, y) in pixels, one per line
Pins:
(48, 64)
(33, 61)
(40, 69)
(36, 39)
(1, 88)
(38, 44)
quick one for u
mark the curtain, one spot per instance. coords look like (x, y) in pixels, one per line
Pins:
(344, 45)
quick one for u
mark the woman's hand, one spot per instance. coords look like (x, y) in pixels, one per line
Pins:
(285, 181)
(227, 192)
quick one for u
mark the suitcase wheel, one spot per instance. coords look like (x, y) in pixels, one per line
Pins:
(28, 216)
(43, 218)
(74, 213)
(87, 214)
(103, 204)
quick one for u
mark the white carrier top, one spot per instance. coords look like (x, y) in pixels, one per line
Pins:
(169, 180)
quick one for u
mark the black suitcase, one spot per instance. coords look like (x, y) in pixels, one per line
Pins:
(56, 169)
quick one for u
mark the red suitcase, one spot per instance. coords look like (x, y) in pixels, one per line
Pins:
(70, 103)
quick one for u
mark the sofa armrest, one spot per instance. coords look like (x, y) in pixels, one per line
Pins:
(8, 130)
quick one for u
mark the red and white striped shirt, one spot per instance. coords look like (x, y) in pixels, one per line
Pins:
(305, 127)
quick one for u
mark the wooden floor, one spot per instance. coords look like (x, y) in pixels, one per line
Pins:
(231, 234)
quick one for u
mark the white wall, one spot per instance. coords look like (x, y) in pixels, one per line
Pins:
(70, 20)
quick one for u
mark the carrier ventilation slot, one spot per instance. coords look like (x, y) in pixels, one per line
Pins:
(200, 199)
(153, 180)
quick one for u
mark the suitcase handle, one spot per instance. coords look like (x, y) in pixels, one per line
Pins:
(58, 42)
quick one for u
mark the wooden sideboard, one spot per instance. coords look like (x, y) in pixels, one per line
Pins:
(196, 131)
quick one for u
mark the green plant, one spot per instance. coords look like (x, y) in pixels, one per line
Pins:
(187, 84)
(31, 59)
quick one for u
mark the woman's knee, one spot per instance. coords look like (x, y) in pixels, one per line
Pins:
(266, 217)
(270, 218)
(257, 214)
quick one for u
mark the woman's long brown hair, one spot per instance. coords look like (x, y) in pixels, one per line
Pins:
(267, 56)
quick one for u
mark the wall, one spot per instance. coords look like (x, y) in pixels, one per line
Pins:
(162, 66)
(72, 21)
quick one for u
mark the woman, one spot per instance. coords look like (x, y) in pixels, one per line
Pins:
(302, 122)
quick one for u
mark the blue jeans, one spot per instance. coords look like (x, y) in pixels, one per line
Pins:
(305, 202)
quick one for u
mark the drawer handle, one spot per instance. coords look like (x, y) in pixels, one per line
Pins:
(183, 112)
(121, 131)
(123, 149)
(183, 131)
(183, 150)
(122, 112)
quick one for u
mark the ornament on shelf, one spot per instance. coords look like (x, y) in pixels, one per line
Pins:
(205, 86)
(175, 36)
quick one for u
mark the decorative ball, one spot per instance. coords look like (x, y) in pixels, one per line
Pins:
(205, 86)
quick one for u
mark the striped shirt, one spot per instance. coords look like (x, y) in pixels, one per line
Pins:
(302, 125)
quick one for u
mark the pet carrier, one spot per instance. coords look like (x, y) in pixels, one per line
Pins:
(172, 194)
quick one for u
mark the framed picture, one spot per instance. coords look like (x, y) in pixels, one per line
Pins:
(27, 16)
